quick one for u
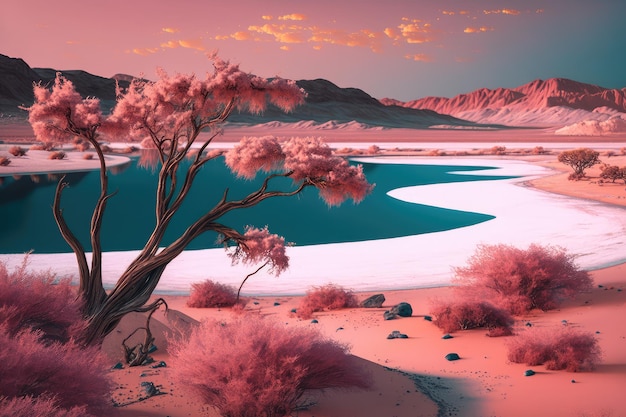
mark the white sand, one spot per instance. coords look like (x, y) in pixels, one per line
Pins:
(590, 229)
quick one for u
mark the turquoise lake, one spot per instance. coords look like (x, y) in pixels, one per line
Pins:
(27, 223)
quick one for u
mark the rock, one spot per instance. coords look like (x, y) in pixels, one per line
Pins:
(388, 315)
(452, 357)
(529, 372)
(375, 301)
(276, 304)
(152, 348)
(447, 336)
(118, 365)
(150, 389)
(397, 335)
(161, 364)
(428, 318)
(403, 309)
(314, 321)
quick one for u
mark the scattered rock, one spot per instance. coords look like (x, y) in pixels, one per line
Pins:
(314, 321)
(150, 389)
(428, 318)
(529, 324)
(339, 328)
(529, 372)
(293, 310)
(447, 336)
(161, 364)
(118, 365)
(402, 309)
(375, 301)
(276, 304)
(573, 381)
(388, 315)
(397, 335)
(452, 357)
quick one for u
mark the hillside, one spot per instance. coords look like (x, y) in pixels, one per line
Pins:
(325, 103)
(552, 102)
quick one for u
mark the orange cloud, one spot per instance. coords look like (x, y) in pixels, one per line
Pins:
(170, 30)
(363, 38)
(447, 12)
(281, 33)
(419, 57)
(293, 16)
(170, 44)
(145, 51)
(192, 44)
(266, 17)
(238, 36)
(478, 30)
(503, 11)
(415, 33)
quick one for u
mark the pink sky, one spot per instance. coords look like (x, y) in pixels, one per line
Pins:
(402, 49)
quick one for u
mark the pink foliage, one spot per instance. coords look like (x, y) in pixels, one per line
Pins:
(54, 108)
(521, 280)
(563, 348)
(257, 367)
(464, 315)
(38, 407)
(325, 298)
(208, 294)
(35, 301)
(75, 376)
(259, 245)
(254, 154)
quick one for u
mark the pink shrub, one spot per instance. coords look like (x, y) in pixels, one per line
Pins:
(4, 161)
(521, 280)
(17, 151)
(38, 407)
(34, 301)
(324, 298)
(464, 315)
(257, 367)
(562, 348)
(208, 294)
(57, 155)
(73, 375)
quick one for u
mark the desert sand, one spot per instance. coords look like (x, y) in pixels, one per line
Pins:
(412, 377)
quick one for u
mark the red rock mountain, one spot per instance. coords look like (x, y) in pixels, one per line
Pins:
(532, 103)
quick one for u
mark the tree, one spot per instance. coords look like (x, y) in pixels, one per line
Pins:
(579, 159)
(180, 116)
(519, 280)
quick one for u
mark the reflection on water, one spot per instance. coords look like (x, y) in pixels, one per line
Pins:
(27, 222)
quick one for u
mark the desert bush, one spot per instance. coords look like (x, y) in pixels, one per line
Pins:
(324, 298)
(4, 161)
(75, 376)
(613, 173)
(519, 280)
(17, 151)
(48, 146)
(373, 150)
(88, 156)
(82, 146)
(38, 407)
(57, 155)
(498, 150)
(208, 294)
(258, 367)
(538, 150)
(465, 315)
(561, 348)
(36, 301)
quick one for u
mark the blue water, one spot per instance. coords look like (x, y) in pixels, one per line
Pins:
(26, 221)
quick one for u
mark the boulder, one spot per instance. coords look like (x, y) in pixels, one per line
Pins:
(402, 309)
(452, 357)
(375, 301)
(388, 315)
(397, 335)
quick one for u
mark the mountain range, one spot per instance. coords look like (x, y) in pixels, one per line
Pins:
(325, 103)
(551, 102)
(555, 103)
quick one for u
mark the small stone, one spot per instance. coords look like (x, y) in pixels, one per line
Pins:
(447, 336)
(256, 303)
(339, 328)
(161, 364)
(529, 324)
(375, 301)
(452, 357)
(397, 335)
(388, 315)
(149, 388)
(118, 365)
(314, 321)
(276, 304)
(573, 381)
(529, 372)
(428, 318)
(293, 310)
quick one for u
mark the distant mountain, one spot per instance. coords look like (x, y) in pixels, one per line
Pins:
(326, 103)
(552, 102)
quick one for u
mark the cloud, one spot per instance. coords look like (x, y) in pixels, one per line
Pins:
(419, 57)
(281, 32)
(416, 31)
(238, 36)
(266, 17)
(145, 51)
(363, 38)
(170, 30)
(512, 12)
(293, 16)
(478, 30)
(72, 42)
(192, 44)
(170, 44)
